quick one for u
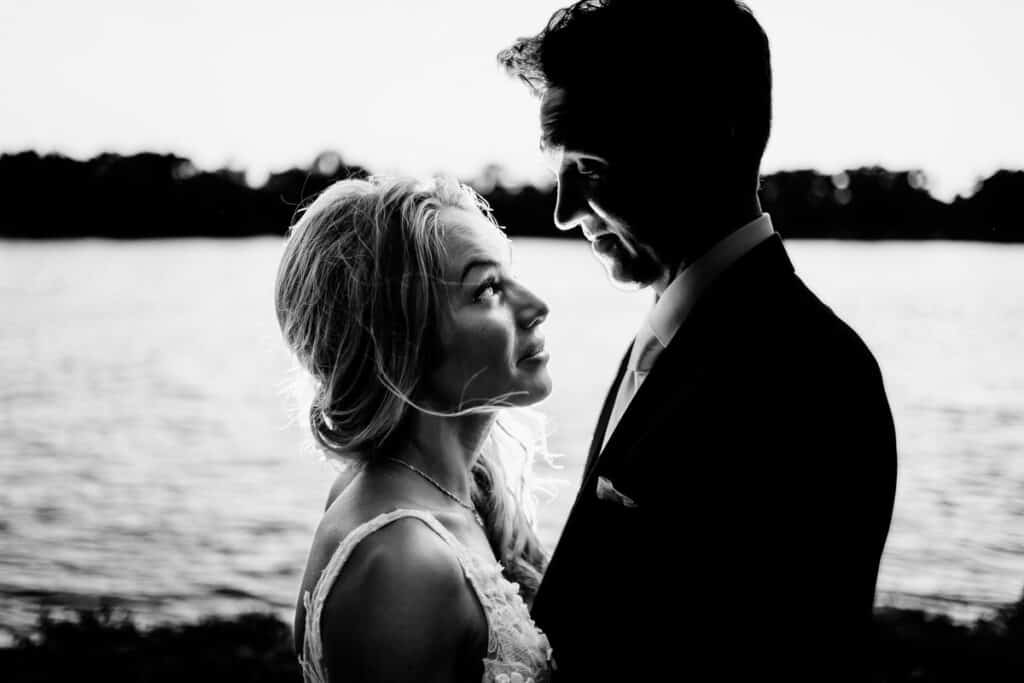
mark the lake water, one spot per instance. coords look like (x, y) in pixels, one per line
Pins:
(146, 455)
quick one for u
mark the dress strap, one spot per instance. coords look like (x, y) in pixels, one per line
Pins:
(312, 645)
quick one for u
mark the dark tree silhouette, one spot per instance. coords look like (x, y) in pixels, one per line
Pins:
(165, 195)
(993, 211)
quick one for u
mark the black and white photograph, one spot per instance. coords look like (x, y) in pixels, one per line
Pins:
(526, 341)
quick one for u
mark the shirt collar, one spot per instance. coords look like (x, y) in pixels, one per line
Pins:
(692, 280)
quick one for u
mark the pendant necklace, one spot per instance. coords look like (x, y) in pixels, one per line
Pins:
(442, 489)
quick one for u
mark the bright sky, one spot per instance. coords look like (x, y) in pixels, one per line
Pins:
(412, 86)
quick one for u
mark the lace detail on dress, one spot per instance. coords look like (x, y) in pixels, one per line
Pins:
(517, 651)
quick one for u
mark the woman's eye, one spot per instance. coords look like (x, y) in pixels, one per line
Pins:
(487, 290)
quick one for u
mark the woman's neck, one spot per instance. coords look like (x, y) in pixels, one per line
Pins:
(445, 448)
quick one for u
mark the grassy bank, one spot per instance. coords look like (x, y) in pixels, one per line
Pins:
(107, 646)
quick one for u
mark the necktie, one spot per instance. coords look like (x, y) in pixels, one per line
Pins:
(646, 348)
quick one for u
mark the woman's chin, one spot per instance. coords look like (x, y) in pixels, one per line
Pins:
(529, 390)
(538, 389)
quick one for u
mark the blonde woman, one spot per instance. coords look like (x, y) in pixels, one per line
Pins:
(396, 296)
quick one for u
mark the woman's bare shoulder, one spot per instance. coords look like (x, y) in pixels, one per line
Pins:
(404, 548)
(405, 588)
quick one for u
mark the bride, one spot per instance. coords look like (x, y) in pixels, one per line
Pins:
(396, 296)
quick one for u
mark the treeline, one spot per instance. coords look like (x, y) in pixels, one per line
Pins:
(165, 195)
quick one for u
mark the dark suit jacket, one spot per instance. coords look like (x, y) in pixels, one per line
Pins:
(761, 456)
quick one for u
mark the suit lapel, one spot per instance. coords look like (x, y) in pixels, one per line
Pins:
(606, 414)
(672, 374)
(680, 364)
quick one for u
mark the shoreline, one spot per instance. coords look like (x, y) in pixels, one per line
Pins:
(26, 620)
(910, 645)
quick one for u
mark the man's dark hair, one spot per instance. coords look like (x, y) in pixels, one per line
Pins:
(702, 67)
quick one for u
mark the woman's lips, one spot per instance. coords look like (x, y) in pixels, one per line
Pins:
(540, 357)
(535, 353)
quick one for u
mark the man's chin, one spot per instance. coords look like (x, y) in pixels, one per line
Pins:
(617, 262)
(624, 274)
(622, 279)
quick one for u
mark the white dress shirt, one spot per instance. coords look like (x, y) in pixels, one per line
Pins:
(674, 305)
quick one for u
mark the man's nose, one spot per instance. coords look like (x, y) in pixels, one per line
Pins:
(570, 205)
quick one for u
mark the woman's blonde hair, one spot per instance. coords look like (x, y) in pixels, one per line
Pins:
(359, 295)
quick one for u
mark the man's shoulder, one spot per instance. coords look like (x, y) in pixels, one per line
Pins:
(808, 325)
(782, 339)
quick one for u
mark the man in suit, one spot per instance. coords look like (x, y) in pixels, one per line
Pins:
(739, 487)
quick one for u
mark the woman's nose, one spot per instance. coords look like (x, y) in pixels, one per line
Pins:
(532, 309)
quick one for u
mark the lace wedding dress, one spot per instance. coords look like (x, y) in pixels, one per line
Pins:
(517, 651)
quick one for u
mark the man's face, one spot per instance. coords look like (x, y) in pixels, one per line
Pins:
(603, 198)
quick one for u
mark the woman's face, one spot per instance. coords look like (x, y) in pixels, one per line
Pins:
(491, 345)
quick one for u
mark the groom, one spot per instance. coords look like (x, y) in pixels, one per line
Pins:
(740, 482)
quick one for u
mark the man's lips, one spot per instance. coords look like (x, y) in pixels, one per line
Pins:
(605, 243)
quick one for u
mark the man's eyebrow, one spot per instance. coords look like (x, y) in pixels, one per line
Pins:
(477, 263)
(551, 142)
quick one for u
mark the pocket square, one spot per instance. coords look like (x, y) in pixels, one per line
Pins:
(605, 491)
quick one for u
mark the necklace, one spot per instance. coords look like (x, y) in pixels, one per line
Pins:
(442, 489)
